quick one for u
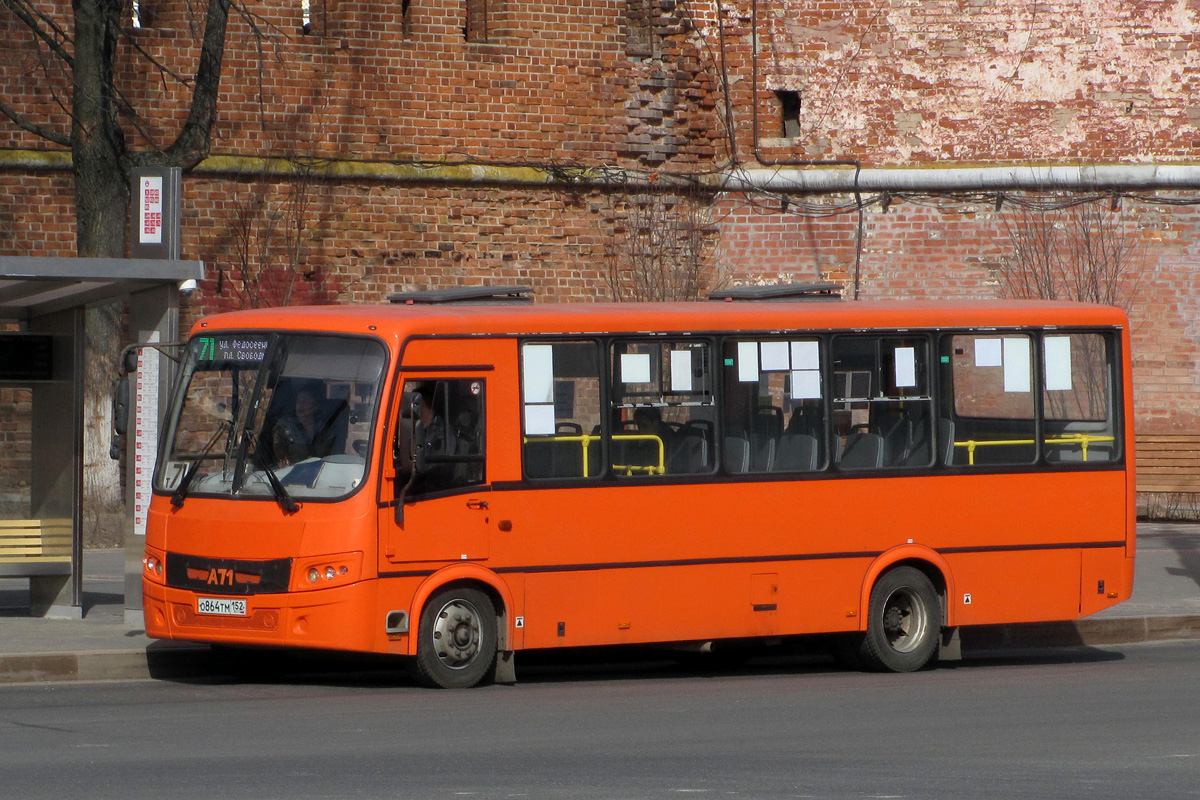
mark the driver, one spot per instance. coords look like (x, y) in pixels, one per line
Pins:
(302, 434)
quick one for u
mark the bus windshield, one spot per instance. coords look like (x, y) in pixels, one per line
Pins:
(271, 415)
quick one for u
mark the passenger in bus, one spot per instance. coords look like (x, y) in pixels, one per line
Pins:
(649, 421)
(303, 433)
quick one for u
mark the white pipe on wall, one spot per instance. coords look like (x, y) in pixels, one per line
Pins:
(976, 179)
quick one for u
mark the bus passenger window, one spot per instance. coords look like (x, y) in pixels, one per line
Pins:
(663, 419)
(774, 408)
(442, 426)
(991, 377)
(1077, 398)
(883, 410)
(560, 392)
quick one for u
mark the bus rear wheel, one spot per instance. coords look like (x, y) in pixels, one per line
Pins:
(456, 648)
(905, 622)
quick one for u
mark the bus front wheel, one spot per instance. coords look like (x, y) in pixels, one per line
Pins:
(905, 622)
(456, 647)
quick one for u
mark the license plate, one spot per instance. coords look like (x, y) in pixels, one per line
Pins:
(224, 606)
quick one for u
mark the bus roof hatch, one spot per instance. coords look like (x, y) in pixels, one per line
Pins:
(502, 295)
(793, 292)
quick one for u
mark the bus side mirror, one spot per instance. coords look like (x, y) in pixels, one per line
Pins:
(120, 416)
(129, 360)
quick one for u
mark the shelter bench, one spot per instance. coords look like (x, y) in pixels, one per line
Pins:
(40, 550)
(35, 547)
(1168, 474)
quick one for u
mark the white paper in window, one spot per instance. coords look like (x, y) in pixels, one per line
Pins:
(1016, 365)
(805, 355)
(906, 366)
(539, 419)
(775, 357)
(748, 362)
(539, 373)
(1058, 363)
(806, 384)
(635, 367)
(988, 352)
(681, 370)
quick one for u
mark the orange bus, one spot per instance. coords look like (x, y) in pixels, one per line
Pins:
(455, 482)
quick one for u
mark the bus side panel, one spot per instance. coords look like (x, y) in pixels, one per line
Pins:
(717, 601)
(625, 564)
(1027, 586)
(683, 562)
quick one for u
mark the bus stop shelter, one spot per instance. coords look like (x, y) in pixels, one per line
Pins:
(47, 299)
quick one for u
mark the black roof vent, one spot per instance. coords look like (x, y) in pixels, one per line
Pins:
(466, 295)
(793, 292)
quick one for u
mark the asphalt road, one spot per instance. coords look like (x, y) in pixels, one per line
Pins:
(1077, 723)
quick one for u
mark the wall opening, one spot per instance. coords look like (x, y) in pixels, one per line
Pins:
(789, 113)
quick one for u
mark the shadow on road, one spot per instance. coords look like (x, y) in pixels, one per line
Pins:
(610, 664)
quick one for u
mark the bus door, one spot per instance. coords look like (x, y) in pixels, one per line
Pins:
(438, 504)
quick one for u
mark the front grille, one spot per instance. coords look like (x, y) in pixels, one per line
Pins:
(228, 575)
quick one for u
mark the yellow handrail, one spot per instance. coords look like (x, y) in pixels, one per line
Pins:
(1082, 439)
(586, 439)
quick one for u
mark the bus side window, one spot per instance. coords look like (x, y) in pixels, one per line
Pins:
(560, 395)
(774, 406)
(883, 410)
(1077, 394)
(994, 413)
(663, 420)
(445, 432)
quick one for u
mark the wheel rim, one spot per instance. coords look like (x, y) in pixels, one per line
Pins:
(457, 635)
(905, 620)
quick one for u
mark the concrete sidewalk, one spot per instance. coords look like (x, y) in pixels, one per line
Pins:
(1165, 605)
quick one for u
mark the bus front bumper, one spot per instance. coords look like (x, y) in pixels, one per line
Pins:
(334, 618)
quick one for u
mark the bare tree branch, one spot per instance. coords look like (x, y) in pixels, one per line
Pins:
(32, 127)
(662, 247)
(34, 20)
(194, 140)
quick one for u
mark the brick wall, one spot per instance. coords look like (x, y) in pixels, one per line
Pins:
(640, 85)
(958, 249)
(915, 81)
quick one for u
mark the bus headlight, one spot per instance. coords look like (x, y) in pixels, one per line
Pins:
(323, 572)
(153, 565)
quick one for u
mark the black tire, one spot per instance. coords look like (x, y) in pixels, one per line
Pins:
(456, 648)
(905, 622)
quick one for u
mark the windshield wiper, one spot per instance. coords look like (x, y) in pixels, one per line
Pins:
(180, 493)
(285, 500)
